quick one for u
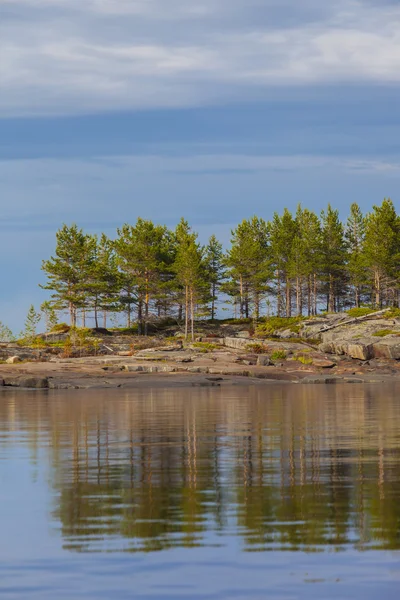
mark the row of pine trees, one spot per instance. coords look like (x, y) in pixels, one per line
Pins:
(295, 264)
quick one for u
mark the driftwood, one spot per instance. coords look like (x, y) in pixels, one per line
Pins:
(355, 320)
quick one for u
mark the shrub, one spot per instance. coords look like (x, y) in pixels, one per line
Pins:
(257, 348)
(384, 332)
(60, 328)
(305, 360)
(204, 346)
(272, 324)
(278, 355)
(125, 330)
(393, 313)
(361, 312)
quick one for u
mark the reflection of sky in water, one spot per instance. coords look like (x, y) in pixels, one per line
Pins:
(214, 485)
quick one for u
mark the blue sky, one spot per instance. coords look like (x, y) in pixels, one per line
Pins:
(211, 109)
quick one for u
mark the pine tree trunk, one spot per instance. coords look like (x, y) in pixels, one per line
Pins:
(186, 312)
(213, 291)
(140, 317)
(192, 313)
(96, 323)
(357, 297)
(309, 299)
(105, 319)
(377, 289)
(288, 298)
(72, 314)
(315, 294)
(278, 295)
(83, 317)
(298, 303)
(241, 297)
(331, 296)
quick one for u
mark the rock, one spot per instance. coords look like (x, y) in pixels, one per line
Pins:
(27, 381)
(1, 382)
(387, 348)
(185, 359)
(287, 333)
(124, 353)
(363, 350)
(263, 360)
(13, 360)
(326, 348)
(323, 363)
(324, 380)
(243, 334)
(133, 368)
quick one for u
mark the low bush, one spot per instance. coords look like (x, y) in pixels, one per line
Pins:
(204, 346)
(362, 311)
(273, 324)
(60, 328)
(278, 355)
(257, 348)
(305, 360)
(385, 332)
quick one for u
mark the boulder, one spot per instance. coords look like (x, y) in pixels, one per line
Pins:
(323, 363)
(27, 381)
(361, 349)
(13, 360)
(243, 334)
(324, 380)
(263, 360)
(388, 347)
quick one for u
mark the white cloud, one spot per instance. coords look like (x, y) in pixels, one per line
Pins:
(78, 61)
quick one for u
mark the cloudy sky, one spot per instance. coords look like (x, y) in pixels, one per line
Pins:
(211, 109)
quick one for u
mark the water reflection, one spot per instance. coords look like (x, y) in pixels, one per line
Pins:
(285, 468)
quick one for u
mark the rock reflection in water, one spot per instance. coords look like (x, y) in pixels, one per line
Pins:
(294, 467)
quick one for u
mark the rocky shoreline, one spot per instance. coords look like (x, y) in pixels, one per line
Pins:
(330, 349)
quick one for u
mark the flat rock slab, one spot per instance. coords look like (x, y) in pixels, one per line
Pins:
(26, 381)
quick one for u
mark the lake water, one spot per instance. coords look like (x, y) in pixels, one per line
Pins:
(235, 493)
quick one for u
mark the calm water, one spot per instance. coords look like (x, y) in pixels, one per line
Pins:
(236, 493)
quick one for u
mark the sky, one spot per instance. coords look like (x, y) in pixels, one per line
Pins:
(210, 109)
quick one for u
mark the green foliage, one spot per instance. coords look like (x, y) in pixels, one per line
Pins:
(278, 355)
(31, 323)
(272, 324)
(305, 360)
(126, 330)
(362, 311)
(385, 332)
(257, 348)
(6, 335)
(287, 266)
(393, 313)
(204, 346)
(50, 315)
(61, 328)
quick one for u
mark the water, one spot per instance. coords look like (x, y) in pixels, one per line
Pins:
(269, 492)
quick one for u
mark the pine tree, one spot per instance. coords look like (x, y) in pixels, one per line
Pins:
(382, 241)
(140, 251)
(31, 323)
(282, 232)
(50, 315)
(67, 271)
(356, 266)
(214, 262)
(303, 263)
(6, 335)
(249, 264)
(333, 254)
(103, 284)
(190, 271)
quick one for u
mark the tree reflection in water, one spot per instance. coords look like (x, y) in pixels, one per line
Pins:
(285, 467)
